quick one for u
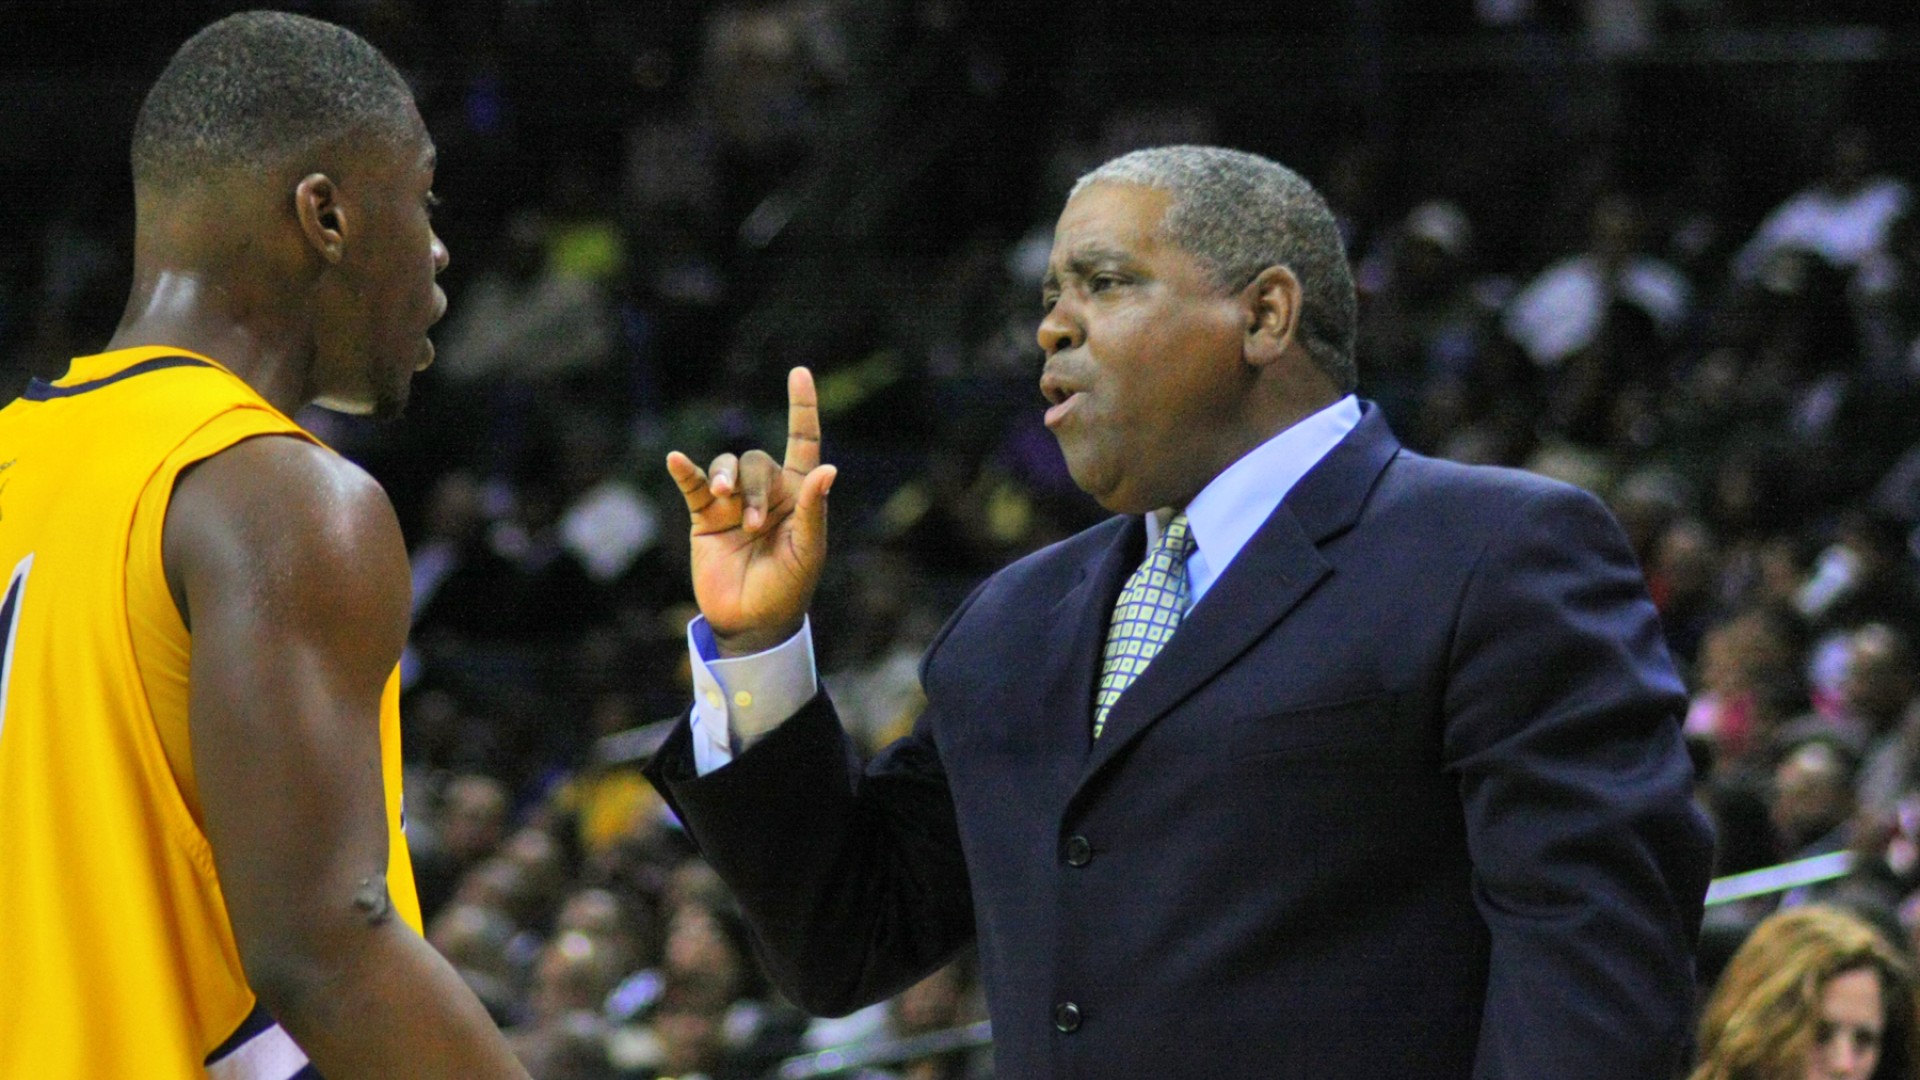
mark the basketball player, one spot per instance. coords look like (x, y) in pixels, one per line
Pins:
(201, 866)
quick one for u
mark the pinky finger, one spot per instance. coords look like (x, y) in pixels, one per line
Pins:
(691, 480)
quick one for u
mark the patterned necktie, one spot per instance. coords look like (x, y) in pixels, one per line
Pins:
(1145, 616)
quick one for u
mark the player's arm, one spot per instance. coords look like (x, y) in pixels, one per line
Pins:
(288, 564)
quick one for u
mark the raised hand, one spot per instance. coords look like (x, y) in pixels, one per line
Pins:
(759, 530)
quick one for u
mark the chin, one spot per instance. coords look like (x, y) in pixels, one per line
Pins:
(1100, 488)
(1113, 493)
(390, 407)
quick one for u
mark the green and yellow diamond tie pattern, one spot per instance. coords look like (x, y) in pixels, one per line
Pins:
(1145, 616)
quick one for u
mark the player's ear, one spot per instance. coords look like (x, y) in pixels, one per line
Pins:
(1272, 302)
(323, 220)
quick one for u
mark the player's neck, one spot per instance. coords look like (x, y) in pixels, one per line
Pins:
(231, 323)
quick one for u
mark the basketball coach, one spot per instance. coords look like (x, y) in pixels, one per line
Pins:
(1320, 759)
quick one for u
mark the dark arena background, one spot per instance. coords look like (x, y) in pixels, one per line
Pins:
(1668, 250)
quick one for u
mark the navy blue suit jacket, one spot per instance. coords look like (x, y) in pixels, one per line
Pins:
(1404, 797)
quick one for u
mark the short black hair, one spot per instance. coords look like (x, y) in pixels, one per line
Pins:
(253, 88)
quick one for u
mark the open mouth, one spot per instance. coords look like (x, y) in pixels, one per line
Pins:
(1060, 394)
(1059, 410)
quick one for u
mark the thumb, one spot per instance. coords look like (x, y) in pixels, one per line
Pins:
(810, 513)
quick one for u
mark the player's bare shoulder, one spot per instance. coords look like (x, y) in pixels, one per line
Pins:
(289, 524)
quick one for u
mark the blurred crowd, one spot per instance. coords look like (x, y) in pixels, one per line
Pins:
(655, 209)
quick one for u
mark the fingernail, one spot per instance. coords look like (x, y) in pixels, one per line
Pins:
(721, 480)
(754, 518)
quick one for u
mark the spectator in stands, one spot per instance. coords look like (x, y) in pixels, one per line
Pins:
(709, 980)
(692, 1039)
(1748, 686)
(565, 1032)
(1862, 681)
(875, 662)
(610, 921)
(1886, 299)
(942, 1001)
(475, 940)
(469, 827)
(1816, 993)
(1683, 578)
(504, 886)
(1878, 681)
(1892, 768)
(538, 855)
(1421, 331)
(526, 319)
(1843, 217)
(1865, 575)
(1813, 799)
(1564, 309)
(573, 1046)
(576, 972)
(936, 1003)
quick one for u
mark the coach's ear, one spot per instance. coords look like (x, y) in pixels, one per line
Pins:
(323, 220)
(1272, 301)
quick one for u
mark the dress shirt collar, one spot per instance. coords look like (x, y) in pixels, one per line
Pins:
(1233, 506)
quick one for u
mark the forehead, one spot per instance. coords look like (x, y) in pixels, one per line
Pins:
(414, 151)
(1124, 218)
(420, 140)
(1853, 996)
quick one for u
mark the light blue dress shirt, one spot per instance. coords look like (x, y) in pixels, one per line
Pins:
(745, 697)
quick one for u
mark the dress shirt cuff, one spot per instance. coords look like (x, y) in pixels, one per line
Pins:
(740, 700)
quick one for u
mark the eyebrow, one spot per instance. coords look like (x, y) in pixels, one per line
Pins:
(1083, 260)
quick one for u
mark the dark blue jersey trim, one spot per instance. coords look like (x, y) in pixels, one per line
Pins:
(41, 390)
(256, 1022)
(6, 612)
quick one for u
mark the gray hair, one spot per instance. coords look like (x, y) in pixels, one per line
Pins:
(1240, 213)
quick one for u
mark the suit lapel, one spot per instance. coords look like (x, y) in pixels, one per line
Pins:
(1277, 569)
(1078, 626)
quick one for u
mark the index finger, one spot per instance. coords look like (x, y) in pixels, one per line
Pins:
(803, 422)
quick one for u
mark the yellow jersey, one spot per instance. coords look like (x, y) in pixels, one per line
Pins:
(116, 955)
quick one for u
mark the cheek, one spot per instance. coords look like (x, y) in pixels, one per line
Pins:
(1181, 378)
(1138, 352)
(396, 308)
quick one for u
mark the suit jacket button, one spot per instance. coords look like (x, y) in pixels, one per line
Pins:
(1066, 1017)
(1079, 852)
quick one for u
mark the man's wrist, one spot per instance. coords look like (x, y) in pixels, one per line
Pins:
(749, 642)
(739, 699)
